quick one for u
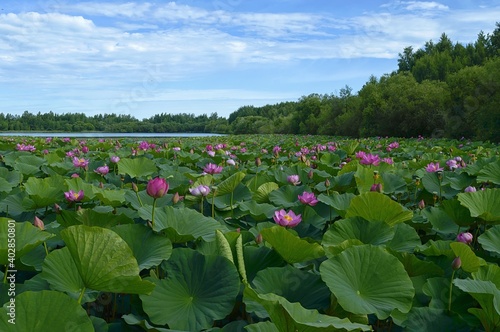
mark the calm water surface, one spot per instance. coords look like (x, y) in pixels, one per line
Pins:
(105, 135)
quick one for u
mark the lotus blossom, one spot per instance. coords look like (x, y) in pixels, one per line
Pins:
(176, 148)
(230, 162)
(470, 189)
(72, 196)
(433, 167)
(103, 170)
(80, 162)
(287, 219)
(308, 198)
(39, 223)
(457, 263)
(114, 159)
(201, 190)
(465, 237)
(212, 169)
(376, 187)
(370, 159)
(157, 187)
(393, 145)
(388, 161)
(293, 179)
(22, 147)
(276, 150)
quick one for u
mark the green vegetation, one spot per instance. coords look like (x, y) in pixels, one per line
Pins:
(441, 90)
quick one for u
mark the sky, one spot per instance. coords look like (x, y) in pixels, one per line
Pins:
(143, 58)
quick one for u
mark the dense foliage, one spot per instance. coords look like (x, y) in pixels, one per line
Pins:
(254, 233)
(441, 90)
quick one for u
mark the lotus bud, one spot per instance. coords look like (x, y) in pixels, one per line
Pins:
(176, 198)
(421, 204)
(327, 183)
(258, 162)
(465, 237)
(376, 187)
(57, 208)
(157, 187)
(134, 187)
(375, 175)
(310, 175)
(39, 223)
(457, 263)
(258, 239)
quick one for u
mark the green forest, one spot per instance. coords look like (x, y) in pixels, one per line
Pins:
(443, 89)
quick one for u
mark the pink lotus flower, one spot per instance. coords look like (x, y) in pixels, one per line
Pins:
(114, 159)
(39, 223)
(72, 196)
(308, 198)
(470, 189)
(465, 237)
(287, 219)
(230, 162)
(388, 161)
(376, 187)
(80, 162)
(293, 179)
(201, 190)
(370, 159)
(103, 170)
(22, 147)
(157, 187)
(212, 169)
(276, 150)
(433, 167)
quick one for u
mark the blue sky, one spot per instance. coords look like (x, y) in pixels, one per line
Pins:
(144, 57)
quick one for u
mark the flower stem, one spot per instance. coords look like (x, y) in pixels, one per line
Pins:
(451, 290)
(46, 250)
(153, 214)
(81, 295)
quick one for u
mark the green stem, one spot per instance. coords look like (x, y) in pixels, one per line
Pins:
(451, 290)
(213, 205)
(46, 250)
(81, 295)
(201, 205)
(153, 215)
(5, 275)
(232, 198)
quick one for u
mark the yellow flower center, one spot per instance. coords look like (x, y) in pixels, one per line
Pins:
(287, 218)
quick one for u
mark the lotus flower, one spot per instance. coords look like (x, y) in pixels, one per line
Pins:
(293, 179)
(103, 170)
(433, 167)
(80, 162)
(201, 190)
(212, 169)
(287, 219)
(465, 237)
(308, 198)
(72, 196)
(39, 223)
(114, 159)
(157, 187)
(470, 189)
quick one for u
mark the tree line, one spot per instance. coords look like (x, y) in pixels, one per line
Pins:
(443, 89)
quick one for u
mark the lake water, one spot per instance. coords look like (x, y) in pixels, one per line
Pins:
(105, 135)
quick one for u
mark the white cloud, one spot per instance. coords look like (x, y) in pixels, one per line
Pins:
(424, 5)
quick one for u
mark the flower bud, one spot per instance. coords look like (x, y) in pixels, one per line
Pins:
(258, 162)
(157, 187)
(134, 187)
(176, 198)
(327, 183)
(421, 204)
(456, 264)
(376, 187)
(465, 237)
(258, 239)
(39, 223)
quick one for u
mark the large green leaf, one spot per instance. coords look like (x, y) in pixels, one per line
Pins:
(26, 236)
(432, 184)
(136, 167)
(182, 224)
(259, 258)
(340, 202)
(490, 173)
(294, 285)
(405, 238)
(368, 232)
(292, 317)
(482, 204)
(46, 311)
(28, 164)
(229, 185)
(286, 196)
(102, 258)
(292, 248)
(457, 212)
(490, 240)
(149, 248)
(367, 280)
(198, 290)
(374, 206)
(474, 287)
(470, 262)
(45, 192)
(261, 195)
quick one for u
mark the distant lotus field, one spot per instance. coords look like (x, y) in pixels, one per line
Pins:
(249, 233)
